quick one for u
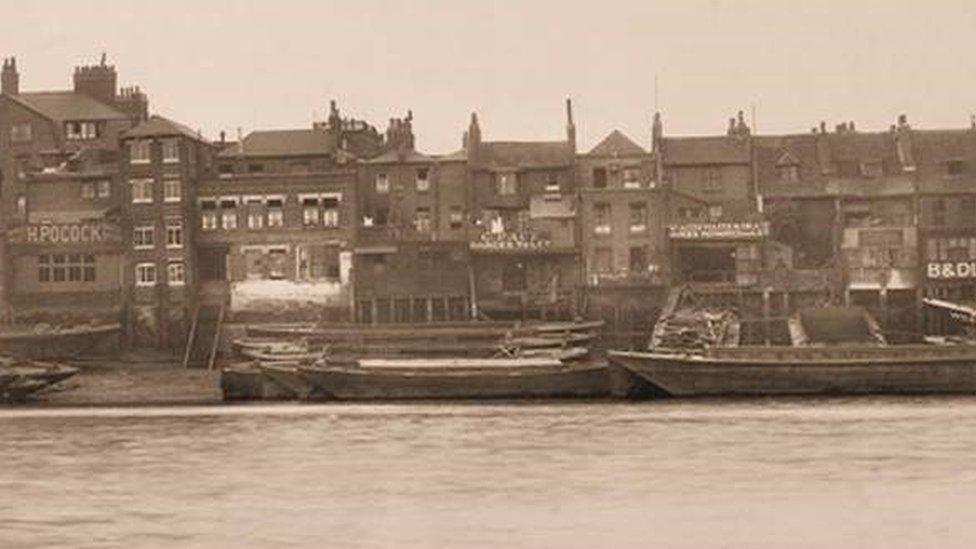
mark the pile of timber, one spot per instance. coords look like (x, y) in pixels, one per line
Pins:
(696, 328)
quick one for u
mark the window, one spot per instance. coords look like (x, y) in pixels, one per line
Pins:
(955, 167)
(139, 151)
(382, 183)
(142, 191)
(423, 182)
(176, 273)
(421, 220)
(66, 268)
(715, 211)
(104, 188)
(88, 268)
(712, 181)
(208, 214)
(456, 217)
(600, 178)
(601, 218)
(81, 130)
(276, 216)
(174, 233)
(171, 150)
(638, 217)
(21, 133)
(789, 173)
(255, 220)
(632, 178)
(172, 189)
(228, 220)
(603, 260)
(552, 185)
(143, 237)
(506, 183)
(255, 168)
(330, 211)
(638, 259)
(145, 274)
(88, 190)
(381, 217)
(310, 211)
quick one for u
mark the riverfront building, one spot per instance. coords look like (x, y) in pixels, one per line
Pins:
(112, 215)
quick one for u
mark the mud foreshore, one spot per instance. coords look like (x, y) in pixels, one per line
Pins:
(130, 381)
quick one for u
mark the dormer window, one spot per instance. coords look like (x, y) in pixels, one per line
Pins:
(872, 169)
(955, 167)
(139, 152)
(81, 130)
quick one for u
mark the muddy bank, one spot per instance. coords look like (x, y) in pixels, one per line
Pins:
(151, 383)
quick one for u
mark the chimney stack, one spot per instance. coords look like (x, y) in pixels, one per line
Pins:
(9, 78)
(570, 126)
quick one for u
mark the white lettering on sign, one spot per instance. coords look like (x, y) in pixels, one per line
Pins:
(65, 234)
(948, 271)
(719, 231)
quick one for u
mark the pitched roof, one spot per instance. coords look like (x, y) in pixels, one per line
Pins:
(527, 154)
(283, 143)
(158, 126)
(705, 150)
(617, 144)
(396, 157)
(67, 105)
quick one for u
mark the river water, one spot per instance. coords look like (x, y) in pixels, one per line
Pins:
(878, 472)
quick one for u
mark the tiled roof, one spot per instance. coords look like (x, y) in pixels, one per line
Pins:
(456, 156)
(692, 151)
(283, 143)
(526, 154)
(617, 144)
(67, 105)
(158, 126)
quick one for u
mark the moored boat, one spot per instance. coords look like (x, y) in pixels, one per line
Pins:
(247, 381)
(806, 370)
(288, 376)
(542, 378)
(20, 379)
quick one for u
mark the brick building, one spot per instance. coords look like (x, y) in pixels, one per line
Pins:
(277, 221)
(524, 243)
(163, 162)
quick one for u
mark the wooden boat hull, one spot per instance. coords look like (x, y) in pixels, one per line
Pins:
(250, 383)
(432, 383)
(290, 379)
(256, 354)
(62, 343)
(688, 375)
(21, 379)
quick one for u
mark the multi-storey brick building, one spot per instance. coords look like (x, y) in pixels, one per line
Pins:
(411, 260)
(277, 221)
(58, 170)
(524, 243)
(162, 164)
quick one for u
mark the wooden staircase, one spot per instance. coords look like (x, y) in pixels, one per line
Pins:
(204, 337)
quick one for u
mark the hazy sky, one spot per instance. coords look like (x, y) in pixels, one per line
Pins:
(224, 65)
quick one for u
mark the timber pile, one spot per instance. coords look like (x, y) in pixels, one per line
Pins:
(696, 328)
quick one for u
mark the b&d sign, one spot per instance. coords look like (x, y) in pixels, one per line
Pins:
(66, 233)
(951, 270)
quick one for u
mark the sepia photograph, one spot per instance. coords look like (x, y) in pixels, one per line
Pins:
(524, 274)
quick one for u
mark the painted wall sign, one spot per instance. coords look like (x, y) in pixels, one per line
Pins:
(719, 231)
(66, 233)
(949, 270)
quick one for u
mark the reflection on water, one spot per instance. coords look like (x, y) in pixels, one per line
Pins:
(737, 473)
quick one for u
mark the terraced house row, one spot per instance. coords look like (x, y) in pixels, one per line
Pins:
(109, 213)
